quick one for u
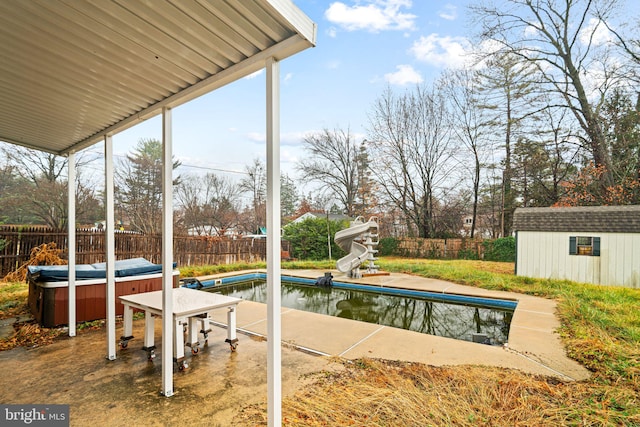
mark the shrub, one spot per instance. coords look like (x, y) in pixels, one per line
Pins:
(309, 238)
(387, 246)
(503, 249)
(467, 254)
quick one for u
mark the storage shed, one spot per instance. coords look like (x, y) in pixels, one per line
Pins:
(591, 244)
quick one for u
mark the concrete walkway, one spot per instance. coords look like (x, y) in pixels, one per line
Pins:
(218, 383)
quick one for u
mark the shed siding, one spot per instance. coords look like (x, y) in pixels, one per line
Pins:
(634, 275)
(546, 255)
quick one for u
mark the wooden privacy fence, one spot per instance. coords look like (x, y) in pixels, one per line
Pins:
(16, 244)
(440, 248)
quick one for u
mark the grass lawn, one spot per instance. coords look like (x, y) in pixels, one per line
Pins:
(600, 329)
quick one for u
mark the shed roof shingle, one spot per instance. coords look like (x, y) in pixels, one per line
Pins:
(607, 219)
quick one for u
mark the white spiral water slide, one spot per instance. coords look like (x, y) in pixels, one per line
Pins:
(350, 240)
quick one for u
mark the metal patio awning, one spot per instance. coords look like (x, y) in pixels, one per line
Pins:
(75, 72)
(72, 71)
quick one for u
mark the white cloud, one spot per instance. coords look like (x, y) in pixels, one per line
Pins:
(288, 77)
(371, 15)
(596, 30)
(481, 53)
(448, 12)
(257, 137)
(292, 138)
(332, 32)
(334, 64)
(444, 51)
(406, 74)
(531, 31)
(255, 74)
(286, 138)
(290, 157)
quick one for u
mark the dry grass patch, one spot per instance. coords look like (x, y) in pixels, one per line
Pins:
(477, 265)
(13, 299)
(600, 328)
(45, 254)
(30, 335)
(388, 393)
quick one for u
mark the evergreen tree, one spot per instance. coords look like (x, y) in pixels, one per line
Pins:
(507, 85)
(139, 186)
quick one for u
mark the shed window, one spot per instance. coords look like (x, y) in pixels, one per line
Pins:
(584, 245)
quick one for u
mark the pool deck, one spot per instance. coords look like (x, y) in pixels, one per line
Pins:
(533, 346)
(219, 383)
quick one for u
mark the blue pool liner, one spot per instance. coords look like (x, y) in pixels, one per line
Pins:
(437, 296)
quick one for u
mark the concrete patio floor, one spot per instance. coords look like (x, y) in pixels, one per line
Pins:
(218, 382)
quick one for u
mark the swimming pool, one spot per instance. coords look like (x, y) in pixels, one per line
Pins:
(455, 316)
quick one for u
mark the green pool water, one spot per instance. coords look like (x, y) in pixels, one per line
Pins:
(427, 316)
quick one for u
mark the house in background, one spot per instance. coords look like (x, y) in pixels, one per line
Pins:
(590, 244)
(486, 228)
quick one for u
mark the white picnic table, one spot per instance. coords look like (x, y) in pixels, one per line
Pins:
(191, 308)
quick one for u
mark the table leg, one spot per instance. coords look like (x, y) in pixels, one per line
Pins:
(206, 328)
(149, 329)
(149, 335)
(192, 336)
(178, 344)
(127, 320)
(231, 328)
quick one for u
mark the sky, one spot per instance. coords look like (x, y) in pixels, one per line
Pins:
(362, 48)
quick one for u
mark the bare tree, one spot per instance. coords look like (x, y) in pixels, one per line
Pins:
(470, 126)
(39, 191)
(10, 193)
(545, 159)
(333, 161)
(209, 204)
(559, 38)
(629, 44)
(411, 152)
(37, 166)
(255, 183)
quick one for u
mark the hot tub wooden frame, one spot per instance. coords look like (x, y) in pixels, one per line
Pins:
(49, 301)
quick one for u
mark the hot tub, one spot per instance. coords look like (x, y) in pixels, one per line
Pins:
(49, 294)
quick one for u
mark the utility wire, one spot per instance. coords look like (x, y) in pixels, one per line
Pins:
(122, 156)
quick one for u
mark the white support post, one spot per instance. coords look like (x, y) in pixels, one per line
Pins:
(167, 254)
(71, 243)
(110, 248)
(274, 332)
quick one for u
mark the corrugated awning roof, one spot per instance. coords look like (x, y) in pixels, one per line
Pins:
(605, 219)
(72, 71)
